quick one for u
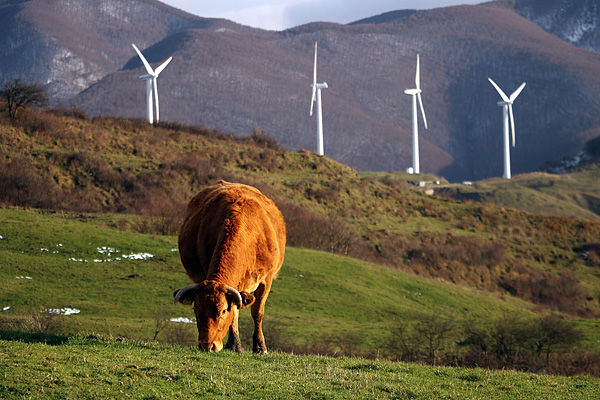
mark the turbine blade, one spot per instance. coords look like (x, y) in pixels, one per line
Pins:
(312, 101)
(160, 68)
(422, 110)
(315, 67)
(418, 74)
(155, 88)
(502, 94)
(148, 67)
(517, 92)
(512, 123)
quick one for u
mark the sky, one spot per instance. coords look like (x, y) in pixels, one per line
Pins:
(283, 14)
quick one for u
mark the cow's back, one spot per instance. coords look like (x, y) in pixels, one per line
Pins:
(231, 223)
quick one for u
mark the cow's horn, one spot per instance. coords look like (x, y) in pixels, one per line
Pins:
(237, 295)
(181, 292)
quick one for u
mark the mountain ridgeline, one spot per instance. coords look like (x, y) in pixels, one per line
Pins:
(234, 78)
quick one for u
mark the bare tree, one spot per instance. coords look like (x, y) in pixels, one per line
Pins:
(552, 332)
(432, 331)
(18, 95)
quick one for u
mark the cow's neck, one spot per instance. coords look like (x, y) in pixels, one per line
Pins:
(230, 265)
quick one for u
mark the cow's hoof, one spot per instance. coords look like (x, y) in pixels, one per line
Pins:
(259, 348)
(234, 345)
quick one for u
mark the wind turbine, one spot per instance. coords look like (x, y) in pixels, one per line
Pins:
(151, 86)
(316, 94)
(507, 109)
(416, 94)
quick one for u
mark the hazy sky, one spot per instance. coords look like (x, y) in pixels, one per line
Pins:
(282, 14)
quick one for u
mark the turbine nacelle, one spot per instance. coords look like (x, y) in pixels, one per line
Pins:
(319, 85)
(413, 92)
(146, 77)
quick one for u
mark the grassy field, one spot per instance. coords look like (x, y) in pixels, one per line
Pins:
(65, 161)
(574, 194)
(53, 261)
(101, 368)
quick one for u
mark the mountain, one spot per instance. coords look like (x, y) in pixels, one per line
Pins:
(576, 21)
(69, 44)
(234, 79)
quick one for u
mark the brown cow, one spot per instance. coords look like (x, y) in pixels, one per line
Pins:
(231, 243)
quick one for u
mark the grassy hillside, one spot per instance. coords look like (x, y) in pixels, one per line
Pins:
(574, 194)
(91, 367)
(64, 161)
(70, 266)
(121, 283)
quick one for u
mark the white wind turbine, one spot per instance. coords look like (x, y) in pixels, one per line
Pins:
(151, 86)
(416, 94)
(506, 105)
(316, 94)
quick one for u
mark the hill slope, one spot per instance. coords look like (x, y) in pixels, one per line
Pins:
(57, 161)
(121, 284)
(575, 194)
(234, 78)
(85, 267)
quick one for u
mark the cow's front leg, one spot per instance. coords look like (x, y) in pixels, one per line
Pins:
(233, 341)
(258, 310)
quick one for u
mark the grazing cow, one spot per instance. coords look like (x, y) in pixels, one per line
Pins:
(231, 243)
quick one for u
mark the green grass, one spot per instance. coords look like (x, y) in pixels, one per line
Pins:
(574, 194)
(126, 297)
(91, 367)
(114, 165)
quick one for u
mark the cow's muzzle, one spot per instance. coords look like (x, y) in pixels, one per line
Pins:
(210, 347)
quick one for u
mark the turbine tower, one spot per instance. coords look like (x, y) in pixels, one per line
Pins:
(316, 94)
(416, 94)
(506, 104)
(151, 86)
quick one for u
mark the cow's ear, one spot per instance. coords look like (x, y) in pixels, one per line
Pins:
(187, 295)
(247, 299)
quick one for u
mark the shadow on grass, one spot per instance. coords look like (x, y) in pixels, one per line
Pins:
(33, 337)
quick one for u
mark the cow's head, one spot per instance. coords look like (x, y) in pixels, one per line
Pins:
(214, 307)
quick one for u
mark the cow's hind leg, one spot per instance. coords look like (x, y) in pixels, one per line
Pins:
(233, 341)
(258, 310)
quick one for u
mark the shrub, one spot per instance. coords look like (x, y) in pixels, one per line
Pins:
(261, 139)
(519, 343)
(22, 184)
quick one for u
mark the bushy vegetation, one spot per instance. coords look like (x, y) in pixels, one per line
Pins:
(62, 160)
(143, 176)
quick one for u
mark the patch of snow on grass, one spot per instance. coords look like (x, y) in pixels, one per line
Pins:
(62, 311)
(138, 256)
(183, 319)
